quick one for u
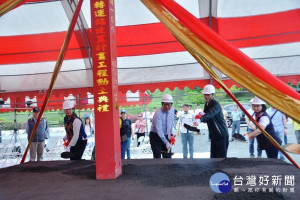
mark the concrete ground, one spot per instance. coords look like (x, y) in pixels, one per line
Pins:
(166, 179)
(201, 145)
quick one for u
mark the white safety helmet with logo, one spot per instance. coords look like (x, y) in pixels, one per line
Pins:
(209, 89)
(257, 101)
(167, 98)
(68, 104)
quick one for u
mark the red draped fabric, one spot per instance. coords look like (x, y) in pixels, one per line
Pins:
(224, 47)
(80, 95)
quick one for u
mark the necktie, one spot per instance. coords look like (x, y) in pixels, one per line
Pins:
(167, 122)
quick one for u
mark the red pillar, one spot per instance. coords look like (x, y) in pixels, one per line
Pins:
(105, 79)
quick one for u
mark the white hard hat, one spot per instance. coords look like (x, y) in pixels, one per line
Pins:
(209, 89)
(257, 101)
(167, 98)
(68, 104)
(251, 100)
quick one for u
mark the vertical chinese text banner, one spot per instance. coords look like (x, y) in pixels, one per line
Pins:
(105, 79)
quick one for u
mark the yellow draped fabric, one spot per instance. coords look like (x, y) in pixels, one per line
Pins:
(199, 48)
(8, 5)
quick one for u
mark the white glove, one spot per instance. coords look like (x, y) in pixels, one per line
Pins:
(246, 136)
(168, 145)
(202, 113)
(68, 149)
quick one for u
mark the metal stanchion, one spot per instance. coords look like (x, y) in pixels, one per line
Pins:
(0, 134)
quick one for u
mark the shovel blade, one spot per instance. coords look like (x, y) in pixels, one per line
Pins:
(292, 148)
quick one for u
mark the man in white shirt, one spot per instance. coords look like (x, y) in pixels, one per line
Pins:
(187, 137)
(191, 109)
(147, 116)
(180, 111)
(198, 110)
(279, 122)
(152, 113)
(251, 127)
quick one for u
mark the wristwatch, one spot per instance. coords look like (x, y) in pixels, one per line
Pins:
(285, 127)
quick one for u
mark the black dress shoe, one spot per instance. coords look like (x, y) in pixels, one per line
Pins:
(67, 155)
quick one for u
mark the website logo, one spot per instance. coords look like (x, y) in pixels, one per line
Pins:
(220, 183)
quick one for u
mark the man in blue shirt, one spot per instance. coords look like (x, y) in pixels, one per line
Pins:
(162, 127)
(236, 121)
(38, 142)
(279, 122)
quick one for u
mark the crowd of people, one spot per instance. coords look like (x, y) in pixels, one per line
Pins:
(163, 123)
(166, 120)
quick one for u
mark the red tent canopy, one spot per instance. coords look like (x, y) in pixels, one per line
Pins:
(149, 57)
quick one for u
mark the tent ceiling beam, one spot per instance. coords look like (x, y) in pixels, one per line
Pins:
(81, 25)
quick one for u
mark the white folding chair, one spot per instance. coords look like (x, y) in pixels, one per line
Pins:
(17, 150)
(54, 153)
(8, 150)
(146, 139)
(141, 141)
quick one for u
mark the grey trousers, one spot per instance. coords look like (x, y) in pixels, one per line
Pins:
(37, 148)
(297, 134)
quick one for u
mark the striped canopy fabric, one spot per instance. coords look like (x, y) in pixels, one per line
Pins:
(149, 57)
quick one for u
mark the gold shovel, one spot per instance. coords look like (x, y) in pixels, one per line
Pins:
(292, 148)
